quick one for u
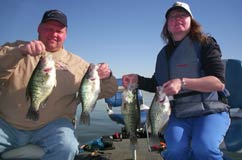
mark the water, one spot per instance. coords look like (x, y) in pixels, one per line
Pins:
(101, 124)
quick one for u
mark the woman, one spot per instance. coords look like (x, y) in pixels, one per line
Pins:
(190, 69)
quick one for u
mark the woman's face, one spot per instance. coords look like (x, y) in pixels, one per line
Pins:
(178, 23)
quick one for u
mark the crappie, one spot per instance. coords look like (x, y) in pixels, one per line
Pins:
(88, 92)
(159, 112)
(130, 110)
(40, 85)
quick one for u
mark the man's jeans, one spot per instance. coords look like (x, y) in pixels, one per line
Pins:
(56, 138)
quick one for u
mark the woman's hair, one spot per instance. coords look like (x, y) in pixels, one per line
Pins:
(195, 34)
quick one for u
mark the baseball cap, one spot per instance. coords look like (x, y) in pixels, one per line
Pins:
(55, 15)
(181, 5)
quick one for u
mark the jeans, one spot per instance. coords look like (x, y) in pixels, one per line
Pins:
(196, 138)
(56, 138)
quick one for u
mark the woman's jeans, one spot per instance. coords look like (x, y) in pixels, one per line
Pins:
(56, 138)
(196, 138)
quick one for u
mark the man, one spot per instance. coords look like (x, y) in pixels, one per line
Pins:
(53, 131)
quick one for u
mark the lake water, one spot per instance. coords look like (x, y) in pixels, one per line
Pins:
(101, 124)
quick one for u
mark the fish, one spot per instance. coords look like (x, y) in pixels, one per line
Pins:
(88, 92)
(40, 85)
(130, 110)
(159, 113)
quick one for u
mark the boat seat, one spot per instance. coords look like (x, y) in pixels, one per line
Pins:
(114, 104)
(233, 78)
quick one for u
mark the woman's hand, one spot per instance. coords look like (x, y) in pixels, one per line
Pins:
(130, 79)
(172, 87)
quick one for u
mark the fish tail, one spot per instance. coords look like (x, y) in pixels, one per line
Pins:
(154, 139)
(32, 114)
(133, 140)
(85, 118)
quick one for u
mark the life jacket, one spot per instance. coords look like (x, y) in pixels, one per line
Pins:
(185, 62)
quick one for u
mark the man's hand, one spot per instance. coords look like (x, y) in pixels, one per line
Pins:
(33, 48)
(104, 71)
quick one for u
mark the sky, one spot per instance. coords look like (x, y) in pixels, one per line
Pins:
(123, 33)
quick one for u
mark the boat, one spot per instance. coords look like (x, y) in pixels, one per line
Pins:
(231, 146)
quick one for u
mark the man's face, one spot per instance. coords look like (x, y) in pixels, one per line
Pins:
(52, 34)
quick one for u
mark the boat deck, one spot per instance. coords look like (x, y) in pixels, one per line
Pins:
(122, 151)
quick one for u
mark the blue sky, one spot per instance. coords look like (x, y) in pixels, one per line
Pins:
(123, 33)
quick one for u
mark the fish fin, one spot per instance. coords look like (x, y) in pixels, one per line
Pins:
(27, 93)
(148, 124)
(27, 96)
(138, 105)
(85, 118)
(133, 139)
(32, 114)
(43, 104)
(154, 139)
(93, 106)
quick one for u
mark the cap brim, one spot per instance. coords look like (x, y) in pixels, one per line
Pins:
(54, 19)
(176, 7)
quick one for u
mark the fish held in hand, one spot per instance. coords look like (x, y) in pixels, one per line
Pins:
(130, 110)
(40, 85)
(88, 92)
(159, 112)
